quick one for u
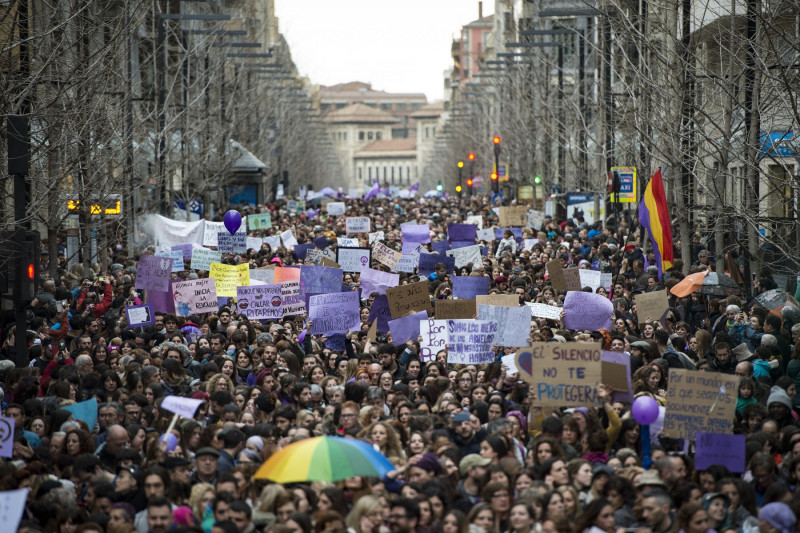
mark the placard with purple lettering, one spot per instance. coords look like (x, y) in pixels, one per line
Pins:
(260, 302)
(140, 315)
(334, 313)
(406, 327)
(470, 341)
(514, 322)
(7, 441)
(720, 449)
(357, 224)
(461, 232)
(152, 273)
(347, 242)
(434, 339)
(353, 259)
(467, 287)
(232, 244)
(377, 281)
(587, 311)
(380, 311)
(293, 304)
(418, 233)
(195, 296)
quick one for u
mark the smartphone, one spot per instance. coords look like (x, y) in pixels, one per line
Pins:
(60, 307)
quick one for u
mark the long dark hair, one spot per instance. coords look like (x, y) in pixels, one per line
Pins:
(590, 513)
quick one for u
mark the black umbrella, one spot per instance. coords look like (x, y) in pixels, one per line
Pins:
(716, 284)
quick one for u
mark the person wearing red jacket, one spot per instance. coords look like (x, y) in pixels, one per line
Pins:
(98, 309)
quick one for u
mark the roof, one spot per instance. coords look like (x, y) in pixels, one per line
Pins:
(360, 114)
(429, 110)
(488, 20)
(390, 145)
(360, 91)
(244, 160)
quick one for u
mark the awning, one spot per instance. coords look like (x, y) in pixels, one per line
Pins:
(244, 160)
(778, 144)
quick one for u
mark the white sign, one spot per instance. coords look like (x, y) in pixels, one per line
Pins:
(353, 259)
(377, 236)
(589, 278)
(177, 259)
(274, 242)
(254, 243)
(168, 232)
(475, 219)
(357, 224)
(466, 255)
(288, 238)
(514, 324)
(234, 244)
(267, 275)
(486, 235)
(12, 505)
(203, 257)
(213, 229)
(410, 260)
(545, 311)
(535, 219)
(345, 242)
(509, 361)
(335, 208)
(434, 339)
(528, 244)
(185, 407)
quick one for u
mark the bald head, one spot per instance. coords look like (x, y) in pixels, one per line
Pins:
(116, 439)
(744, 369)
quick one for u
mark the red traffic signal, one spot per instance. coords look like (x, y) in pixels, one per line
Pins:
(494, 176)
(31, 271)
(469, 182)
(471, 156)
(496, 140)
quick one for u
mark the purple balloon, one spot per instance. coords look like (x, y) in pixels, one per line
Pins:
(645, 410)
(232, 221)
(170, 439)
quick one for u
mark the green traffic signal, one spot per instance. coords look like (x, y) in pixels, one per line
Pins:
(537, 180)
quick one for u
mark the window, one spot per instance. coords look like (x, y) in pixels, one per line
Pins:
(360, 135)
(386, 107)
(369, 172)
(341, 106)
(359, 173)
(384, 172)
(416, 106)
(344, 136)
(369, 135)
(400, 107)
(427, 132)
(378, 135)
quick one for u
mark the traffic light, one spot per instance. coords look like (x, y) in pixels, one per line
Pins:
(494, 176)
(460, 164)
(439, 186)
(458, 189)
(537, 179)
(471, 156)
(469, 182)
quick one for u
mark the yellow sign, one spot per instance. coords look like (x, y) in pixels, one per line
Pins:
(228, 277)
(112, 206)
(627, 184)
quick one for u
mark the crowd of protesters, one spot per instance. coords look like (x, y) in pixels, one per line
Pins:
(471, 452)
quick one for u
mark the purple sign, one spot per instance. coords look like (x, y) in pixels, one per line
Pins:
(140, 315)
(462, 232)
(153, 273)
(300, 250)
(587, 311)
(440, 247)
(377, 281)
(321, 242)
(406, 327)
(468, 287)
(517, 232)
(334, 313)
(461, 244)
(319, 280)
(381, 312)
(336, 342)
(427, 263)
(186, 250)
(418, 233)
(162, 301)
(719, 449)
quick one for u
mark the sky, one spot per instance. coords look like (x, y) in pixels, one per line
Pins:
(396, 45)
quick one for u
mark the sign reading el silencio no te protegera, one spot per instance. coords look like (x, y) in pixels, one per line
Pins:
(563, 374)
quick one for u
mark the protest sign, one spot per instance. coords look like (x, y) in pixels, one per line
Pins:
(357, 224)
(605, 280)
(260, 302)
(286, 274)
(300, 250)
(555, 274)
(265, 274)
(651, 306)
(407, 263)
(214, 229)
(528, 244)
(440, 247)
(510, 362)
(377, 281)
(12, 505)
(535, 219)
(616, 371)
(293, 304)
(418, 233)
(7, 425)
(327, 262)
(185, 407)
(186, 249)
(353, 259)
(259, 221)
(152, 273)
(195, 296)
(411, 297)
(162, 300)
(515, 216)
(427, 263)
(177, 259)
(572, 279)
(466, 287)
(372, 333)
(589, 278)
(470, 342)
(291, 206)
(720, 449)
(288, 238)
(228, 277)
(550, 312)
(314, 257)
(232, 244)
(385, 255)
(456, 309)
(505, 300)
(335, 208)
(203, 257)
(466, 255)
(406, 327)
(140, 315)
(563, 374)
(587, 311)
(319, 280)
(700, 401)
(85, 411)
(461, 232)
(375, 237)
(434, 339)
(380, 313)
(334, 313)
(514, 322)
(254, 243)
(347, 242)
(477, 220)
(273, 241)
(166, 231)
(485, 235)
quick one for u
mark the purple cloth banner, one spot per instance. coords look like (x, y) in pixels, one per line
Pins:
(467, 287)
(462, 232)
(419, 233)
(406, 327)
(586, 310)
(380, 311)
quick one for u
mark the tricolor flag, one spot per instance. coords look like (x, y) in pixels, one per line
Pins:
(653, 216)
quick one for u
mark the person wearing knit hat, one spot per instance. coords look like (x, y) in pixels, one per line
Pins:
(422, 468)
(779, 405)
(777, 515)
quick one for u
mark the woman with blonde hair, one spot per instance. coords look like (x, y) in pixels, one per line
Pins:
(214, 384)
(572, 506)
(370, 415)
(352, 370)
(366, 516)
(200, 499)
(386, 438)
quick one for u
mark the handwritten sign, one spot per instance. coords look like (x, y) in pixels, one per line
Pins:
(587, 311)
(651, 305)
(377, 281)
(411, 297)
(288, 238)
(177, 259)
(406, 327)
(185, 407)
(720, 449)
(232, 244)
(700, 401)
(319, 280)
(456, 309)
(7, 424)
(470, 341)
(195, 296)
(513, 216)
(466, 255)
(260, 302)
(259, 221)
(486, 235)
(347, 242)
(410, 259)
(385, 255)
(273, 241)
(555, 274)
(334, 313)
(434, 339)
(466, 287)
(514, 322)
(228, 277)
(417, 233)
(152, 273)
(562, 374)
(550, 312)
(505, 300)
(379, 313)
(357, 224)
(203, 257)
(293, 303)
(572, 279)
(353, 259)
(140, 315)
(589, 278)
(213, 230)
(335, 208)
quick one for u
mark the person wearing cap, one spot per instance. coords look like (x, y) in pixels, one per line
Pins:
(716, 504)
(128, 487)
(778, 516)
(180, 469)
(422, 468)
(472, 469)
(464, 434)
(206, 459)
(780, 406)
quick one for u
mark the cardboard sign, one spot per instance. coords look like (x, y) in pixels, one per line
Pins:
(434, 339)
(335, 208)
(185, 407)
(561, 374)
(550, 312)
(516, 216)
(587, 311)
(228, 277)
(385, 255)
(372, 334)
(195, 296)
(616, 367)
(698, 402)
(406, 327)
(140, 315)
(327, 262)
(466, 255)
(353, 259)
(411, 297)
(259, 221)
(7, 424)
(651, 305)
(470, 342)
(293, 304)
(716, 449)
(555, 274)
(334, 313)
(446, 309)
(503, 300)
(152, 273)
(467, 287)
(572, 279)
(357, 224)
(514, 322)
(260, 302)
(203, 257)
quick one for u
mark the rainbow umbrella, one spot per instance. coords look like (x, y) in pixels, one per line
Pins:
(324, 459)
